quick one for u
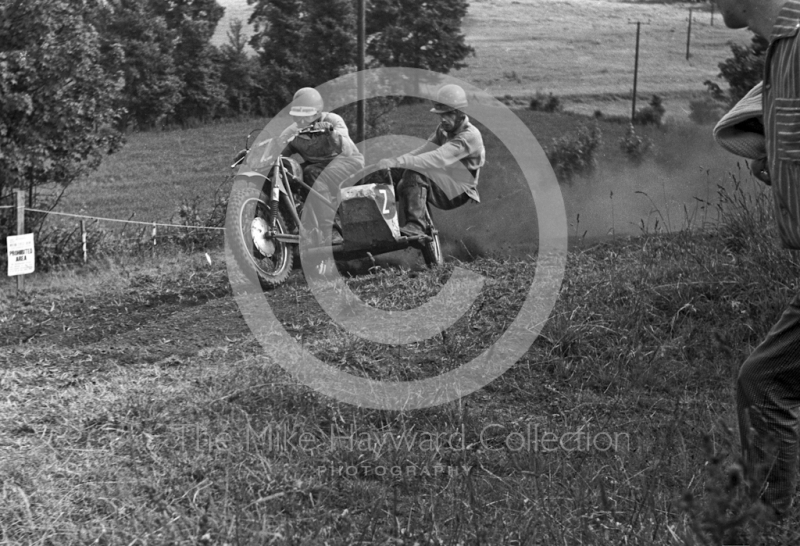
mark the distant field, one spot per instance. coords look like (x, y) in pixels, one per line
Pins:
(234, 9)
(584, 49)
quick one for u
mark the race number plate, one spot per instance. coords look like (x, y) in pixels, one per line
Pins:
(369, 215)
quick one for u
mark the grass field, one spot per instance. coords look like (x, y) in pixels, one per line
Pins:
(138, 408)
(583, 50)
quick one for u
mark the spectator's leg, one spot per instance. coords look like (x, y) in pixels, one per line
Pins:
(768, 397)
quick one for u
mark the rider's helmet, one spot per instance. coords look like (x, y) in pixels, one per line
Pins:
(306, 102)
(450, 97)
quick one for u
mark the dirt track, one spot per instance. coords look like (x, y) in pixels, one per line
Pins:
(141, 324)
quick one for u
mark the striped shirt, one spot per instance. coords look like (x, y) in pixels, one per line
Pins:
(782, 121)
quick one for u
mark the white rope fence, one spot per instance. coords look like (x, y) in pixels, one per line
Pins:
(22, 209)
(119, 220)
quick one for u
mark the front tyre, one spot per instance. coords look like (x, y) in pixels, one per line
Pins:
(251, 244)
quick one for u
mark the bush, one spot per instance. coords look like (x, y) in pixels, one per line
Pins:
(745, 68)
(651, 114)
(377, 116)
(634, 146)
(573, 155)
(706, 110)
(191, 214)
(545, 103)
(60, 245)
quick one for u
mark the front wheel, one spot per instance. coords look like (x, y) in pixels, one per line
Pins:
(251, 244)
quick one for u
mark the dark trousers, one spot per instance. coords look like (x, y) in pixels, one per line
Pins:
(331, 176)
(767, 399)
(436, 196)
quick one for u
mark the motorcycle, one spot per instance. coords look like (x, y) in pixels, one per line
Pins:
(268, 198)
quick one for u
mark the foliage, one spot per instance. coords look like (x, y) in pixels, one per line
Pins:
(651, 114)
(417, 34)
(139, 45)
(59, 245)
(635, 147)
(330, 43)
(57, 103)
(545, 103)
(575, 155)
(307, 42)
(279, 38)
(191, 214)
(745, 69)
(377, 116)
(197, 62)
(238, 73)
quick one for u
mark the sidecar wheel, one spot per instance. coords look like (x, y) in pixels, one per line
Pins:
(271, 259)
(432, 250)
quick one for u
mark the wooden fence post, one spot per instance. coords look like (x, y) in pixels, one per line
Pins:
(20, 231)
(83, 242)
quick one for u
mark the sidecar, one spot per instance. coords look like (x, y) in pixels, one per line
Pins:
(370, 226)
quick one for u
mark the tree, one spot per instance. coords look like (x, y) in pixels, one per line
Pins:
(58, 105)
(307, 42)
(138, 44)
(197, 62)
(418, 34)
(330, 42)
(237, 73)
(280, 30)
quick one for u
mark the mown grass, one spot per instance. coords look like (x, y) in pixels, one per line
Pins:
(139, 409)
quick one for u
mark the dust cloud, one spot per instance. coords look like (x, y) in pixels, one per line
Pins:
(675, 188)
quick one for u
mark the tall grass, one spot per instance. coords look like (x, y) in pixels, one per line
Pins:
(169, 425)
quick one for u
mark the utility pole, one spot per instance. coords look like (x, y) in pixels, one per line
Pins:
(712, 13)
(689, 34)
(635, 72)
(360, 106)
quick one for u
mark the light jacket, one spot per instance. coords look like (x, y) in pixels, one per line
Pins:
(445, 149)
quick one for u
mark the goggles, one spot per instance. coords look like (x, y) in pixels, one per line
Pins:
(302, 111)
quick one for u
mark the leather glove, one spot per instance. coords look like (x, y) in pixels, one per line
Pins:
(388, 163)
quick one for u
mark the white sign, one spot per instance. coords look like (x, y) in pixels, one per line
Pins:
(20, 254)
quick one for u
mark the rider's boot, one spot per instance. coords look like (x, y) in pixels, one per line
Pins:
(414, 205)
(337, 238)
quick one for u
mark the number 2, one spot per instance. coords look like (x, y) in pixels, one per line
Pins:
(385, 209)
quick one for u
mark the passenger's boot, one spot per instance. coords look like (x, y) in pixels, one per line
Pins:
(414, 205)
(337, 238)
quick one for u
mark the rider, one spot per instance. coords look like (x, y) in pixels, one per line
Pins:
(443, 171)
(324, 143)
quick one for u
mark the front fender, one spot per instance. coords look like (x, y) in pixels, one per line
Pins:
(255, 179)
(250, 176)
